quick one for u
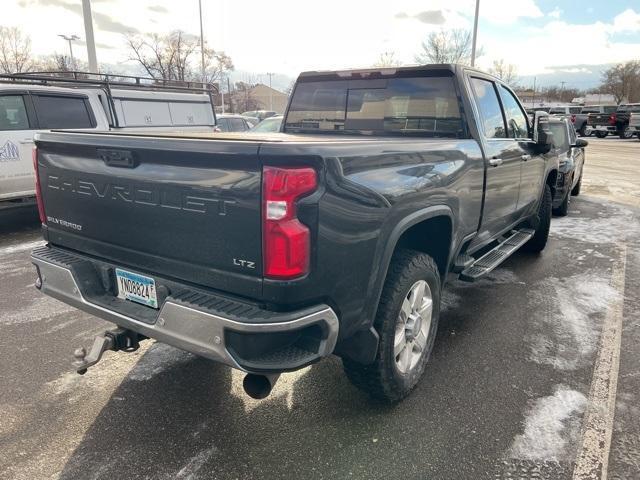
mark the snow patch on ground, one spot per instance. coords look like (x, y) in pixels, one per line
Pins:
(21, 247)
(551, 427)
(158, 358)
(41, 308)
(610, 227)
(567, 333)
(190, 470)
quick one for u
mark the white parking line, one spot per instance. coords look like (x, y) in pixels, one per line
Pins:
(593, 455)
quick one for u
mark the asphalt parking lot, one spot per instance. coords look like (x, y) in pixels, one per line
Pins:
(534, 369)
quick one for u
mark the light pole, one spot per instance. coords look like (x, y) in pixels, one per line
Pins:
(270, 91)
(88, 35)
(70, 38)
(475, 34)
(201, 42)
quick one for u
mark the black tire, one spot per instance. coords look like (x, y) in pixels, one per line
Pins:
(382, 379)
(539, 240)
(563, 209)
(576, 190)
(583, 131)
(625, 134)
(601, 134)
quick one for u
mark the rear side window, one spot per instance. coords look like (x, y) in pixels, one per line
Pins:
(238, 125)
(58, 111)
(575, 109)
(489, 106)
(424, 106)
(191, 113)
(223, 124)
(516, 118)
(13, 113)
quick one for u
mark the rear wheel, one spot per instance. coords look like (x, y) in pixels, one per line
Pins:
(407, 321)
(584, 131)
(626, 133)
(563, 209)
(539, 240)
(600, 134)
(576, 190)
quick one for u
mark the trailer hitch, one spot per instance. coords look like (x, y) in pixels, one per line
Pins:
(117, 339)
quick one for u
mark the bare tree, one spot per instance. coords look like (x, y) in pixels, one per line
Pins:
(387, 59)
(447, 46)
(623, 81)
(174, 57)
(506, 72)
(15, 51)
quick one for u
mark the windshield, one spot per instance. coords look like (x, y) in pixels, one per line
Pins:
(426, 106)
(629, 108)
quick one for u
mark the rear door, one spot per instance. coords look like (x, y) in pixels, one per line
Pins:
(532, 164)
(17, 125)
(504, 157)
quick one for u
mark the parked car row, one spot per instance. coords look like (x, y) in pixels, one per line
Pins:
(601, 120)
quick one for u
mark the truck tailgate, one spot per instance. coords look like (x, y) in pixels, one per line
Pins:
(180, 208)
(599, 119)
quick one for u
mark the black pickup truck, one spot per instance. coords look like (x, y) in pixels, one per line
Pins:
(615, 123)
(336, 235)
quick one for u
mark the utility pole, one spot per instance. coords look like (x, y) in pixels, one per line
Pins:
(533, 100)
(88, 35)
(475, 34)
(270, 91)
(561, 90)
(202, 43)
(70, 38)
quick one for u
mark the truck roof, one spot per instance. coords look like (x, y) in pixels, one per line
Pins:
(433, 67)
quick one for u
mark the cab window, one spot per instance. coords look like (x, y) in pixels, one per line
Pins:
(13, 113)
(62, 111)
(489, 106)
(516, 118)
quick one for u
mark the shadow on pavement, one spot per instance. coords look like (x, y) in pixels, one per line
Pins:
(191, 419)
(19, 220)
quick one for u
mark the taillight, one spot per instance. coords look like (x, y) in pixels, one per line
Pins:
(612, 119)
(573, 118)
(286, 241)
(43, 218)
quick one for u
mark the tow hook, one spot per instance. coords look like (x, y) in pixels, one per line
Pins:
(118, 339)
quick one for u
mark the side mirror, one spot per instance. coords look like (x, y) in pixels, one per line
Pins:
(542, 135)
(580, 143)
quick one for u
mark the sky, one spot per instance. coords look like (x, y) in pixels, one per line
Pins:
(553, 39)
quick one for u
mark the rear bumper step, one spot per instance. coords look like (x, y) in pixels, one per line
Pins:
(490, 260)
(237, 334)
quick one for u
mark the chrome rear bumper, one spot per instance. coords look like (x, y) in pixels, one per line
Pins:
(197, 329)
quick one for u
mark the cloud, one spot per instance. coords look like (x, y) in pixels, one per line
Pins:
(627, 21)
(555, 13)
(430, 17)
(101, 21)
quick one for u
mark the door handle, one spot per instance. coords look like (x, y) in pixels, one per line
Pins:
(526, 157)
(494, 162)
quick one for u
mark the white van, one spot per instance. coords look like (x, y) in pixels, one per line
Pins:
(29, 103)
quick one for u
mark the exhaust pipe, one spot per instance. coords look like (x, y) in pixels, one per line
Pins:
(259, 386)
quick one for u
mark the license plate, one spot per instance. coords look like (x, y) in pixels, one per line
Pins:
(137, 288)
